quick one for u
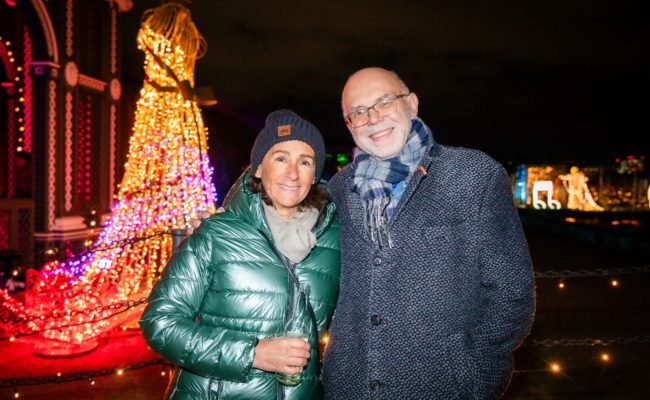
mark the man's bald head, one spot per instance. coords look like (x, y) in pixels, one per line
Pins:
(387, 106)
(372, 73)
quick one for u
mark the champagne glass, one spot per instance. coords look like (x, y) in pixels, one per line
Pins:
(297, 325)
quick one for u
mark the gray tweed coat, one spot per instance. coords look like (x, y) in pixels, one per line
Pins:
(438, 315)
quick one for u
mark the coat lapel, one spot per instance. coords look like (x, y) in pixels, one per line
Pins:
(415, 179)
(354, 210)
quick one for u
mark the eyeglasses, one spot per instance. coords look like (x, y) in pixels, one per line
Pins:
(384, 107)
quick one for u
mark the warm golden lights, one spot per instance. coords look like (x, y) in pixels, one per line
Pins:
(555, 368)
(167, 179)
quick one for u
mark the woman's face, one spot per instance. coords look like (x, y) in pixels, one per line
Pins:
(287, 173)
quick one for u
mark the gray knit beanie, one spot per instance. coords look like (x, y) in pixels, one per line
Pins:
(285, 125)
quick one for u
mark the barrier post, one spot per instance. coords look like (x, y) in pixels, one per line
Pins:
(178, 235)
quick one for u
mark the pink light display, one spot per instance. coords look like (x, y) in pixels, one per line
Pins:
(167, 180)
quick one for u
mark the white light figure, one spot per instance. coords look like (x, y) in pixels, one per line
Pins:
(575, 183)
(544, 186)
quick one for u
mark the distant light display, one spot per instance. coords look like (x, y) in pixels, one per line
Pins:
(547, 188)
(580, 198)
(630, 165)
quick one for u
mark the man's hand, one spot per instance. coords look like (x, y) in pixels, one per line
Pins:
(282, 354)
(195, 220)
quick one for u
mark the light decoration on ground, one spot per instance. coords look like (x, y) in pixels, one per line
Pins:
(555, 367)
(544, 187)
(614, 283)
(580, 198)
(167, 179)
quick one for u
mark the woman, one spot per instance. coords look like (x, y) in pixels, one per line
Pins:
(218, 312)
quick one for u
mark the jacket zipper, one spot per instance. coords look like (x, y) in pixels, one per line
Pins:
(218, 391)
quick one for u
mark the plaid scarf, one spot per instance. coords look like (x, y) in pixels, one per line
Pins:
(373, 180)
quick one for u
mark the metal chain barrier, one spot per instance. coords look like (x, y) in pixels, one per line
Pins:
(79, 375)
(129, 304)
(605, 341)
(90, 374)
(584, 273)
(121, 243)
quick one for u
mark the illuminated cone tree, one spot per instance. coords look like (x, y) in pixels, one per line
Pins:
(167, 179)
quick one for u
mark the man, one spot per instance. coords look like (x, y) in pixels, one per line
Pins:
(437, 288)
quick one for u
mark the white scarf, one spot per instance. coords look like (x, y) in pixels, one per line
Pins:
(293, 237)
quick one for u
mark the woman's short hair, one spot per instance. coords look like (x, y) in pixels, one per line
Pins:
(316, 198)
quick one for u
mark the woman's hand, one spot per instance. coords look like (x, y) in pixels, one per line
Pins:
(281, 354)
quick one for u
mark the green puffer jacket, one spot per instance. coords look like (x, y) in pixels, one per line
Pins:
(226, 286)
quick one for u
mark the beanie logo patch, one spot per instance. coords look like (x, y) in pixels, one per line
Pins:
(284, 130)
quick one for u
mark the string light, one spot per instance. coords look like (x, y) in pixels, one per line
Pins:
(167, 179)
(14, 72)
(614, 283)
(89, 375)
(604, 357)
(560, 285)
(26, 93)
(83, 159)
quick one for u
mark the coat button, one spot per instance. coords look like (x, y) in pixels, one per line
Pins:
(375, 384)
(377, 260)
(375, 319)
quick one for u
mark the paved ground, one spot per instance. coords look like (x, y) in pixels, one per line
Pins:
(586, 307)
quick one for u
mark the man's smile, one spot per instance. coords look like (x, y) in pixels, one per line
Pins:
(381, 134)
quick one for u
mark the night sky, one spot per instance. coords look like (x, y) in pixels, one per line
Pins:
(523, 81)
